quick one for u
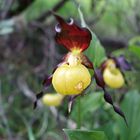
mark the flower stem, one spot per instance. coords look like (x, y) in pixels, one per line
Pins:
(79, 114)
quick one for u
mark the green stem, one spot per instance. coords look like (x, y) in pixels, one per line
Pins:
(79, 114)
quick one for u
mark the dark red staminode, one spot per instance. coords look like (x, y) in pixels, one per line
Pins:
(72, 36)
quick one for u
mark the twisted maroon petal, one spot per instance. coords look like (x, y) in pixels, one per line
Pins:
(86, 61)
(99, 78)
(122, 63)
(47, 81)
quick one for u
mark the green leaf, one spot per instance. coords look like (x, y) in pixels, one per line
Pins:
(85, 135)
(89, 103)
(109, 130)
(37, 8)
(28, 126)
(68, 6)
(131, 107)
(95, 52)
(134, 45)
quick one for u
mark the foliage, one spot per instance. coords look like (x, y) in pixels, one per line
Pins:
(28, 53)
(95, 52)
(134, 45)
(133, 117)
(82, 135)
(118, 130)
(93, 100)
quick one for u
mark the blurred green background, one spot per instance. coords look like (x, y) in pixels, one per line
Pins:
(28, 52)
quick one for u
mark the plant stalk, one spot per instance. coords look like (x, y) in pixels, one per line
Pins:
(79, 114)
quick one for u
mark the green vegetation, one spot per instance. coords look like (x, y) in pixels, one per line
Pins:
(28, 52)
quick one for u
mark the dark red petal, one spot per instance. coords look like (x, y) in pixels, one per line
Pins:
(86, 61)
(99, 78)
(38, 96)
(72, 36)
(103, 65)
(109, 100)
(47, 81)
(122, 63)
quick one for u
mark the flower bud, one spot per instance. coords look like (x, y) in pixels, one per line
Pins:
(52, 99)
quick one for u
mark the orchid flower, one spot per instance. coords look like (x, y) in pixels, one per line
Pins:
(71, 77)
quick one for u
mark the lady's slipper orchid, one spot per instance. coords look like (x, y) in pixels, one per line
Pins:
(75, 39)
(113, 78)
(71, 77)
(111, 73)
